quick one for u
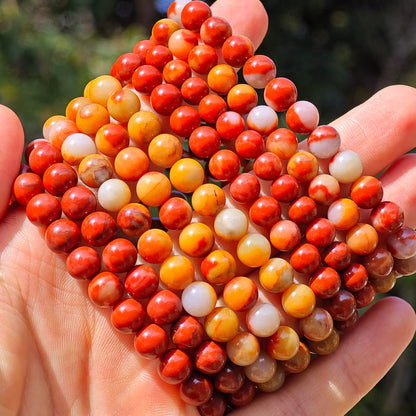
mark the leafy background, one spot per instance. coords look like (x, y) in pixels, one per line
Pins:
(337, 52)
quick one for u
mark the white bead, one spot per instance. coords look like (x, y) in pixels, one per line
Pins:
(324, 142)
(77, 146)
(231, 224)
(113, 194)
(199, 299)
(307, 114)
(263, 369)
(262, 119)
(263, 319)
(346, 166)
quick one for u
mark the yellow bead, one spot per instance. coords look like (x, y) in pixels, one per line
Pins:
(143, 126)
(276, 275)
(177, 272)
(218, 267)
(254, 250)
(283, 344)
(243, 349)
(208, 199)
(153, 189)
(101, 88)
(186, 175)
(298, 300)
(222, 324)
(164, 150)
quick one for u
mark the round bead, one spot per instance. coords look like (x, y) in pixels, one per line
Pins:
(283, 344)
(204, 141)
(299, 362)
(285, 188)
(164, 150)
(101, 88)
(342, 305)
(222, 324)
(143, 126)
(365, 296)
(298, 300)
(221, 78)
(244, 395)
(175, 366)
(199, 299)
(262, 119)
(194, 14)
(379, 263)
(303, 166)
(62, 236)
(275, 383)
(282, 142)
(177, 272)
(285, 235)
(26, 186)
(236, 50)
(164, 307)
(317, 326)
(43, 209)
(154, 245)
(215, 406)
(302, 117)
(211, 107)
(243, 349)
(324, 189)
(402, 243)
(141, 282)
(119, 255)
(263, 320)
(324, 142)
(303, 210)
(280, 93)
(326, 346)
(355, 277)
(305, 259)
(131, 164)
(111, 139)
(153, 189)
(184, 120)
(164, 98)
(181, 42)
(214, 31)
(83, 263)
(158, 56)
(124, 66)
(151, 342)
(230, 125)
(210, 357)
(61, 130)
(325, 282)
(49, 123)
(196, 390)
(146, 78)
(367, 192)
(387, 217)
(253, 250)
(231, 224)
(91, 117)
(187, 332)
(249, 144)
(242, 98)
(163, 29)
(175, 213)
(362, 239)
(113, 194)
(202, 58)
(343, 213)
(72, 108)
(141, 48)
(196, 239)
(276, 275)
(320, 232)
(186, 175)
(194, 89)
(346, 166)
(128, 316)
(230, 378)
(175, 10)
(385, 284)
(338, 255)
(240, 293)
(43, 156)
(245, 188)
(123, 104)
(224, 165)
(98, 228)
(77, 146)
(265, 211)
(208, 199)
(105, 289)
(218, 267)
(258, 71)
(94, 170)
(77, 202)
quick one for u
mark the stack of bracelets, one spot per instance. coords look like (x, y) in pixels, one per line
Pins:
(171, 147)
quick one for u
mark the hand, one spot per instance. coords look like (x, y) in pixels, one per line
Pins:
(59, 354)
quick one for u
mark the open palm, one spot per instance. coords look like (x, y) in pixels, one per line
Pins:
(59, 355)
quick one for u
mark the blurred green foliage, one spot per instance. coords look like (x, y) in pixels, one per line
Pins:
(337, 52)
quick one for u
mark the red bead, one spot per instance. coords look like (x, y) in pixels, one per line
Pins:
(152, 341)
(249, 144)
(211, 107)
(124, 67)
(98, 228)
(134, 219)
(62, 236)
(187, 332)
(379, 263)
(283, 143)
(202, 58)
(387, 217)
(244, 395)
(145, 78)
(229, 125)
(259, 70)
(303, 166)
(338, 255)
(224, 165)
(26, 186)
(230, 378)
(305, 259)
(302, 117)
(325, 282)
(196, 390)
(119, 255)
(181, 43)
(321, 232)
(280, 94)
(162, 30)
(164, 307)
(303, 210)
(194, 14)
(158, 56)
(215, 406)
(43, 156)
(194, 89)
(365, 296)
(33, 144)
(141, 282)
(342, 305)
(367, 192)
(236, 50)
(105, 289)
(175, 366)
(43, 209)
(176, 72)
(285, 188)
(285, 235)
(154, 246)
(184, 120)
(142, 47)
(267, 166)
(58, 178)
(245, 188)
(83, 263)
(175, 213)
(78, 202)
(165, 98)
(355, 277)
(214, 31)
(204, 141)
(265, 211)
(210, 357)
(128, 316)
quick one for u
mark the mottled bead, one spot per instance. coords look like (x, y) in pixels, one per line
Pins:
(134, 219)
(362, 239)
(177, 272)
(243, 349)
(151, 342)
(303, 166)
(214, 31)
(342, 305)
(387, 217)
(402, 243)
(240, 293)
(300, 362)
(105, 289)
(62, 236)
(367, 192)
(187, 332)
(101, 88)
(77, 202)
(267, 166)
(317, 326)
(320, 232)
(265, 211)
(184, 120)
(338, 255)
(164, 307)
(128, 316)
(98, 228)
(365, 296)
(231, 224)
(211, 107)
(230, 125)
(303, 210)
(94, 170)
(186, 175)
(343, 213)
(280, 93)
(164, 150)
(244, 188)
(379, 263)
(194, 89)
(43, 209)
(224, 165)
(262, 119)
(324, 142)
(122, 104)
(113, 194)
(302, 117)
(298, 300)
(283, 344)
(77, 146)
(125, 65)
(230, 378)
(199, 299)
(324, 189)
(175, 366)
(181, 42)
(163, 29)
(276, 275)
(175, 213)
(91, 117)
(262, 370)
(222, 324)
(43, 156)
(305, 259)
(282, 142)
(158, 56)
(154, 245)
(210, 357)
(405, 267)
(354, 277)
(153, 189)
(202, 58)
(218, 267)
(145, 79)
(221, 78)
(275, 383)
(215, 406)
(61, 130)
(242, 98)
(175, 10)
(285, 235)
(194, 14)
(236, 50)
(346, 166)
(143, 126)
(244, 396)
(258, 71)
(208, 199)
(196, 390)
(285, 188)
(204, 141)
(119, 255)
(326, 346)
(386, 283)
(253, 250)
(141, 282)
(196, 239)
(325, 282)
(83, 263)
(26, 186)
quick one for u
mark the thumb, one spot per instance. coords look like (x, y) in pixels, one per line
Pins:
(12, 141)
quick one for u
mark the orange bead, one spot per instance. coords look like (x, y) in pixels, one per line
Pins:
(242, 98)
(122, 104)
(60, 131)
(303, 166)
(143, 126)
(276, 275)
(94, 170)
(196, 239)
(362, 239)
(284, 343)
(343, 213)
(154, 246)
(91, 117)
(177, 272)
(243, 349)
(181, 42)
(74, 105)
(49, 124)
(164, 150)
(131, 163)
(208, 199)
(153, 188)
(134, 219)
(101, 88)
(253, 250)
(218, 267)
(221, 78)
(240, 293)
(298, 300)
(111, 139)
(222, 324)
(163, 29)
(187, 175)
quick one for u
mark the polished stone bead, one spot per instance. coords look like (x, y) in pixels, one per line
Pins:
(222, 324)
(387, 217)
(199, 299)
(317, 326)
(261, 370)
(152, 341)
(98, 228)
(175, 366)
(83, 263)
(300, 362)
(119, 255)
(240, 293)
(58, 178)
(326, 346)
(275, 383)
(78, 202)
(244, 395)
(362, 239)
(231, 224)
(141, 282)
(253, 250)
(187, 332)
(177, 272)
(26, 186)
(243, 349)
(210, 357)
(346, 166)
(276, 275)
(105, 289)
(218, 267)
(134, 219)
(263, 319)
(113, 194)
(43, 209)
(128, 316)
(164, 307)
(62, 236)
(284, 343)
(324, 142)
(298, 300)
(196, 390)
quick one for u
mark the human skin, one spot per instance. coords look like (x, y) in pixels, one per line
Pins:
(59, 355)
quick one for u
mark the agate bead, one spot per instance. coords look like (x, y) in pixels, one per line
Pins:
(105, 289)
(302, 117)
(151, 342)
(177, 272)
(199, 299)
(208, 199)
(222, 324)
(231, 224)
(141, 282)
(258, 71)
(196, 390)
(187, 332)
(210, 357)
(346, 166)
(119, 255)
(62, 236)
(324, 142)
(128, 316)
(77, 202)
(175, 366)
(298, 300)
(243, 349)
(263, 319)
(83, 263)
(283, 344)
(113, 194)
(164, 307)
(26, 186)
(43, 209)
(98, 228)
